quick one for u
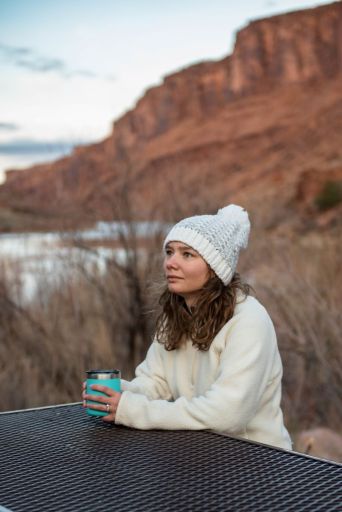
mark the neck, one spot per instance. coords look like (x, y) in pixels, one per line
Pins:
(189, 309)
(190, 300)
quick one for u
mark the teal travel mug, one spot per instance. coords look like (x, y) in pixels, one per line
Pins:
(109, 378)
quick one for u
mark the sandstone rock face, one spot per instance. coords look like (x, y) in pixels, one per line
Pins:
(285, 49)
(262, 126)
(294, 47)
(198, 90)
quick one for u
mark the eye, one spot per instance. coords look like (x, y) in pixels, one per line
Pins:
(168, 252)
(188, 254)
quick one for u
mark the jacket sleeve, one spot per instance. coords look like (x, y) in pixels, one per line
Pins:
(149, 380)
(232, 400)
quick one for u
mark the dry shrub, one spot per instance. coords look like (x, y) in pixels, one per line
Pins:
(95, 318)
(298, 280)
(91, 318)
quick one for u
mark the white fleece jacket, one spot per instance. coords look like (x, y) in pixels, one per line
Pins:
(234, 387)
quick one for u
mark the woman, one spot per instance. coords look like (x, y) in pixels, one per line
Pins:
(214, 362)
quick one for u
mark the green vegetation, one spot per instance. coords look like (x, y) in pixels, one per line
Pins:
(330, 195)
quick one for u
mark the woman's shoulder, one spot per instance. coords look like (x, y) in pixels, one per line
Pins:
(250, 313)
(250, 324)
(249, 305)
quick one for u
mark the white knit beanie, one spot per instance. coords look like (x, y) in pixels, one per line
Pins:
(217, 238)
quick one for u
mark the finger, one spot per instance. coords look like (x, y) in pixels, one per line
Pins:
(96, 398)
(110, 418)
(84, 384)
(97, 407)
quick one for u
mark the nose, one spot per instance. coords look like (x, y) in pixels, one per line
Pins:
(171, 262)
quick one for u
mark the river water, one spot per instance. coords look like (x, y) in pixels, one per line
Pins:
(30, 260)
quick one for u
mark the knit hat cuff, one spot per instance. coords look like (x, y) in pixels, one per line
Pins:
(208, 252)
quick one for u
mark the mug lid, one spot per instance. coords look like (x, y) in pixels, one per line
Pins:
(102, 371)
(103, 374)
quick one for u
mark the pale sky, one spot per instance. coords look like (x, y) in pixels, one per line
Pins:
(70, 67)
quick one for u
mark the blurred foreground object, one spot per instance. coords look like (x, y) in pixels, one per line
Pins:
(320, 442)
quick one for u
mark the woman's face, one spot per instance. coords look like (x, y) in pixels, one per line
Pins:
(185, 270)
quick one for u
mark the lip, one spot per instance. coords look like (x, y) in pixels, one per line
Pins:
(173, 277)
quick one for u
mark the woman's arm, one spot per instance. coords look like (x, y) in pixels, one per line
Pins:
(232, 400)
(149, 384)
(149, 380)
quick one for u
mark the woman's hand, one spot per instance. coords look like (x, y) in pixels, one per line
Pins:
(108, 403)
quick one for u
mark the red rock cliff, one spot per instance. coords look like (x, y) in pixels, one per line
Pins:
(245, 121)
(290, 48)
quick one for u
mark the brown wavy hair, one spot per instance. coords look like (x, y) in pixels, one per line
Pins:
(215, 306)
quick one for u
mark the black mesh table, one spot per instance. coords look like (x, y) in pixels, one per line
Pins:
(59, 458)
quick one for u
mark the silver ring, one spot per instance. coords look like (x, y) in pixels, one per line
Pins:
(108, 408)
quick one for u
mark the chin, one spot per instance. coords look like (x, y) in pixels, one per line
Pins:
(175, 289)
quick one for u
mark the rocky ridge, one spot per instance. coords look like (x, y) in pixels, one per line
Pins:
(261, 126)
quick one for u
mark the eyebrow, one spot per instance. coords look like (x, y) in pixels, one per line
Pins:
(181, 246)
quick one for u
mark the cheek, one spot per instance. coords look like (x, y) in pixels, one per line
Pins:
(164, 265)
(201, 274)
